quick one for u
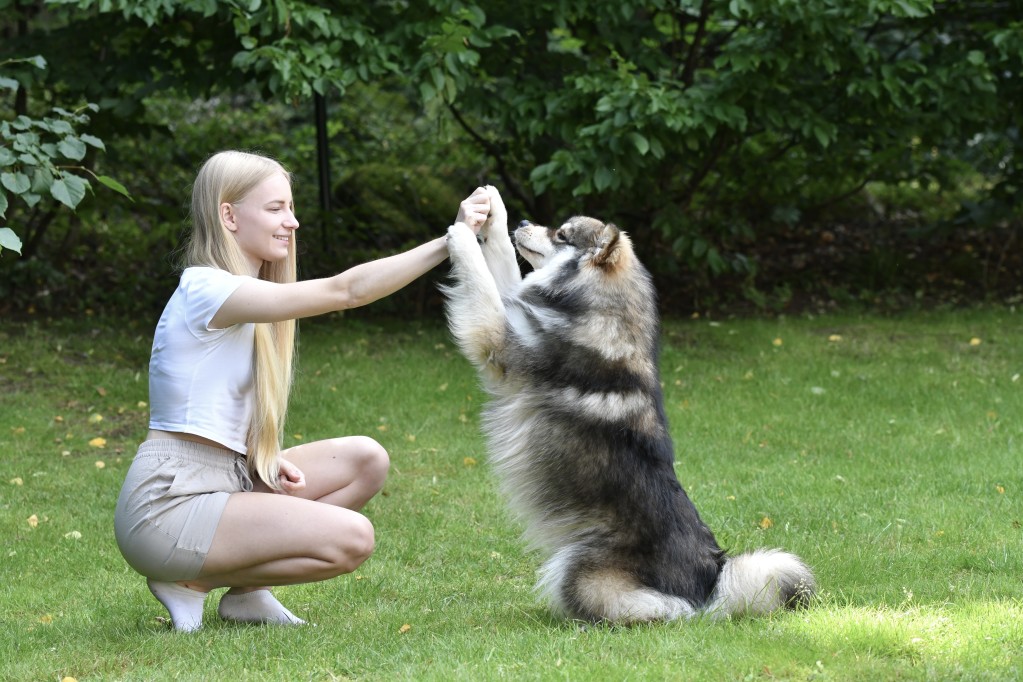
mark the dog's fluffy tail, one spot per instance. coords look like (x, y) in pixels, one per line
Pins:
(760, 582)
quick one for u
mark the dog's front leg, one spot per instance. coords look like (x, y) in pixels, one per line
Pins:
(475, 312)
(497, 247)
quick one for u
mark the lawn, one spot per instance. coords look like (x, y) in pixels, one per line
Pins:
(884, 451)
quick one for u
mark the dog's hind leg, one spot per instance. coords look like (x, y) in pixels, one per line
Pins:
(497, 246)
(476, 315)
(581, 588)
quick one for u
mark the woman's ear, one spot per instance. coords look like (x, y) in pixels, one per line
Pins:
(227, 217)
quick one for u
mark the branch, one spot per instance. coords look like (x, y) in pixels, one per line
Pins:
(496, 153)
(689, 70)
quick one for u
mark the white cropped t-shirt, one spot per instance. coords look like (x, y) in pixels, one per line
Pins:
(200, 379)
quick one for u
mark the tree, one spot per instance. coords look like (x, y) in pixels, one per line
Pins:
(700, 125)
(41, 157)
(711, 121)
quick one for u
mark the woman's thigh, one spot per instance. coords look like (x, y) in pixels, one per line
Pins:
(267, 538)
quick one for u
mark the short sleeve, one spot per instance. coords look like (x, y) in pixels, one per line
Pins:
(205, 290)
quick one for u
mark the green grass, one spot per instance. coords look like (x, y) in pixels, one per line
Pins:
(885, 451)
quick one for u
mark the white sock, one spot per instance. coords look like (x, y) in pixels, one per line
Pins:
(184, 605)
(258, 606)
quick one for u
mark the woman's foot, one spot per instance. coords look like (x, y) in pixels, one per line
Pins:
(185, 605)
(258, 606)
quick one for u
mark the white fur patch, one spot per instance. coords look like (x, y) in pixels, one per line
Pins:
(750, 583)
(610, 594)
(606, 406)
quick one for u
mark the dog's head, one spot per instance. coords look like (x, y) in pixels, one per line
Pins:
(602, 245)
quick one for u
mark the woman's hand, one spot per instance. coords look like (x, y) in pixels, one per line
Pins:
(474, 209)
(291, 478)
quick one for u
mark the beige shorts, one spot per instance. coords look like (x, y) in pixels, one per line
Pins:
(170, 504)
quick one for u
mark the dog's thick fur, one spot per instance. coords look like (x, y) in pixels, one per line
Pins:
(577, 433)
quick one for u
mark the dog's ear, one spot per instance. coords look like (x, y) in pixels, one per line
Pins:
(609, 247)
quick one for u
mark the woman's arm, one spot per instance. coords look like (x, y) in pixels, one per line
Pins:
(261, 301)
(257, 300)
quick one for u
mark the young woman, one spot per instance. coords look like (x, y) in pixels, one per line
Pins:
(210, 500)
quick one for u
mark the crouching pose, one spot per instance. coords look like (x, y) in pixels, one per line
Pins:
(210, 499)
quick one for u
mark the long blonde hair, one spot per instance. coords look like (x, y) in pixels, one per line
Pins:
(227, 177)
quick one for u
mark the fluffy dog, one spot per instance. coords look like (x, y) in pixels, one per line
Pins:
(577, 432)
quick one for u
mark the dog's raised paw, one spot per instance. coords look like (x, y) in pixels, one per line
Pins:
(461, 237)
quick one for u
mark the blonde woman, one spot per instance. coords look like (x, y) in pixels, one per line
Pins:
(210, 500)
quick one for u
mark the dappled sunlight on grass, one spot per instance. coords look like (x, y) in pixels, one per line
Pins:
(942, 639)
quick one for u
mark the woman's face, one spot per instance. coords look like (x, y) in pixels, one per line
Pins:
(263, 221)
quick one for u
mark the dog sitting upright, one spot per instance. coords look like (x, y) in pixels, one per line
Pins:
(577, 432)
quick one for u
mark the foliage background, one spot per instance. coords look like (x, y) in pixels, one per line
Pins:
(776, 153)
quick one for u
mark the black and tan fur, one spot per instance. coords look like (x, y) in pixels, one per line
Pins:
(577, 432)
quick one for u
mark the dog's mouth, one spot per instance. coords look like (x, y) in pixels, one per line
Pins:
(525, 249)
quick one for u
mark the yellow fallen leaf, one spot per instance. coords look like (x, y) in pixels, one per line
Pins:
(442, 387)
(100, 464)
(59, 419)
(835, 338)
(1000, 489)
(382, 428)
(16, 481)
(766, 522)
(404, 628)
(95, 418)
(297, 436)
(69, 679)
(777, 342)
(975, 341)
(33, 521)
(18, 430)
(469, 461)
(142, 403)
(46, 619)
(102, 391)
(73, 535)
(98, 442)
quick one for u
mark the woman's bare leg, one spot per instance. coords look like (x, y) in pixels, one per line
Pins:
(264, 538)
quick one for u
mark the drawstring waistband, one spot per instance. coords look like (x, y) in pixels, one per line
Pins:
(241, 468)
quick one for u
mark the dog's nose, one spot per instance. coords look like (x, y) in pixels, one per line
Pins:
(525, 223)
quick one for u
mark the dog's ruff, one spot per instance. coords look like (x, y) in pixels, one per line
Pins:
(577, 433)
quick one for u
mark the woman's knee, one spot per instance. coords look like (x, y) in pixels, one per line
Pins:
(370, 459)
(353, 542)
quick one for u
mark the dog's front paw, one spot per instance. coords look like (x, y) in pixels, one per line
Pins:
(460, 239)
(497, 219)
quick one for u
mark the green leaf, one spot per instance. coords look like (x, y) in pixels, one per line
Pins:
(9, 84)
(18, 183)
(603, 178)
(72, 148)
(108, 181)
(642, 146)
(94, 141)
(69, 190)
(3, 205)
(9, 240)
